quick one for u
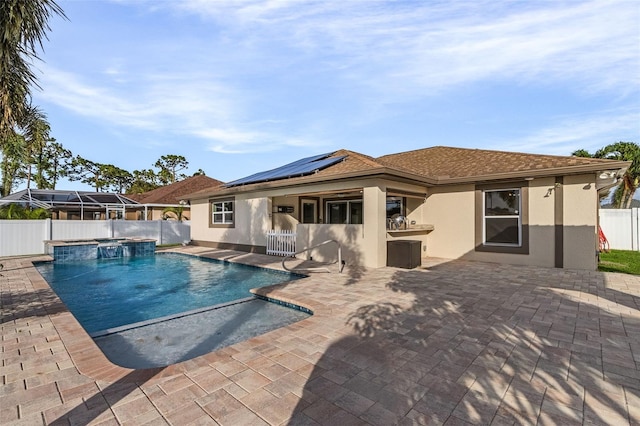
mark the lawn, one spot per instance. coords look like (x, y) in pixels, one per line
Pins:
(624, 261)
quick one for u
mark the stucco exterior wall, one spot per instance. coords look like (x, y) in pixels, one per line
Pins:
(285, 221)
(451, 211)
(350, 237)
(251, 222)
(580, 222)
(541, 230)
(568, 209)
(362, 244)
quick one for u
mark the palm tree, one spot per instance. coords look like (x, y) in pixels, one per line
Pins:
(24, 147)
(24, 26)
(625, 151)
(36, 135)
(175, 211)
(13, 153)
(17, 211)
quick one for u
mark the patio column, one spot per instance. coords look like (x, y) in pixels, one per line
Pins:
(375, 232)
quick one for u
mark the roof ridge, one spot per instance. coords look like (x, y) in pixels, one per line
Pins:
(529, 154)
(363, 157)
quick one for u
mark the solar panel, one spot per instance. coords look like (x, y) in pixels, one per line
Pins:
(302, 167)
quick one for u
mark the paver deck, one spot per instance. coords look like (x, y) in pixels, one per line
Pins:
(453, 342)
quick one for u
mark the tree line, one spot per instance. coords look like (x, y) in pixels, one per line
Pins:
(28, 152)
(24, 130)
(31, 156)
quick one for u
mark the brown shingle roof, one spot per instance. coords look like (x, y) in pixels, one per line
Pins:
(172, 194)
(354, 162)
(440, 165)
(443, 162)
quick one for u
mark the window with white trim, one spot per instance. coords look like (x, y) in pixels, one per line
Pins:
(222, 212)
(502, 217)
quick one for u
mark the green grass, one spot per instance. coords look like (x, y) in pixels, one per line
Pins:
(625, 261)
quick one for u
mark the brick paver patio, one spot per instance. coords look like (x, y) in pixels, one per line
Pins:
(451, 343)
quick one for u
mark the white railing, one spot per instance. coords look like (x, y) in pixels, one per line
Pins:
(621, 227)
(281, 243)
(21, 237)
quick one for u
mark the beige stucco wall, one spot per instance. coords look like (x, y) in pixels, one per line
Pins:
(451, 210)
(580, 222)
(350, 237)
(541, 230)
(156, 214)
(252, 221)
(285, 221)
(364, 244)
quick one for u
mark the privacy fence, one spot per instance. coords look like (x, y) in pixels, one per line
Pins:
(621, 227)
(19, 237)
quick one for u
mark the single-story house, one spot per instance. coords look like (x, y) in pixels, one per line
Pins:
(172, 195)
(458, 203)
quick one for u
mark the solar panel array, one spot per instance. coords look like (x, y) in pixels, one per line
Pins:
(302, 167)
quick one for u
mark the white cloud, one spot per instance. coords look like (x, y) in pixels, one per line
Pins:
(417, 48)
(193, 105)
(233, 141)
(158, 103)
(260, 73)
(568, 134)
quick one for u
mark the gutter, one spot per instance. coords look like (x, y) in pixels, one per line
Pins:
(621, 166)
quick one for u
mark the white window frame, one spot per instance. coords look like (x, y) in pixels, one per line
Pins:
(223, 212)
(485, 217)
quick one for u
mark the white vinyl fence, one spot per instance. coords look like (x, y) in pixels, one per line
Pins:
(19, 237)
(281, 243)
(621, 227)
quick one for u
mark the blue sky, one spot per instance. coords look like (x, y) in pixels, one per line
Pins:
(239, 87)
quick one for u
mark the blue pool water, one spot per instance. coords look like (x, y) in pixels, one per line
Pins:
(109, 293)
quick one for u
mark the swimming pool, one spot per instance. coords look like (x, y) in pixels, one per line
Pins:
(109, 293)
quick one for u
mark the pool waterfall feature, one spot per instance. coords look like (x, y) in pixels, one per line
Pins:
(110, 250)
(99, 248)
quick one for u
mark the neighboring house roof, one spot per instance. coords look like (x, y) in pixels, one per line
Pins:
(440, 165)
(173, 193)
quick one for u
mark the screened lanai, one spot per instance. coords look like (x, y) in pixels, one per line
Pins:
(78, 205)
